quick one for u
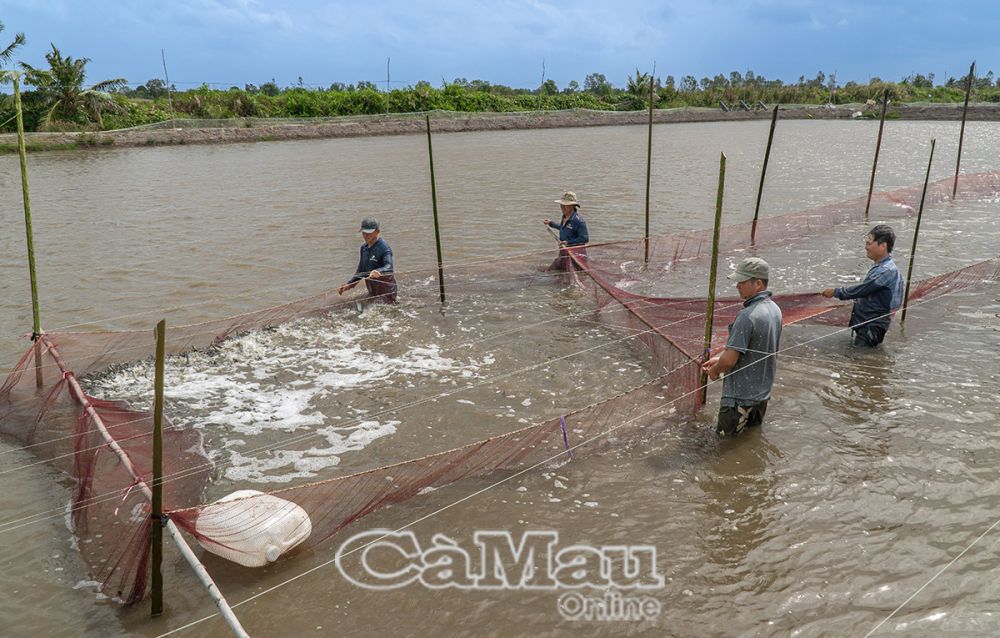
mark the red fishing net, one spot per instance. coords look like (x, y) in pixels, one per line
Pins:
(110, 512)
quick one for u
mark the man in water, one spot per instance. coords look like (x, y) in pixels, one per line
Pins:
(375, 265)
(749, 358)
(572, 229)
(879, 296)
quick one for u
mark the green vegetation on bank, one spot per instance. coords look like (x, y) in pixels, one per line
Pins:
(57, 99)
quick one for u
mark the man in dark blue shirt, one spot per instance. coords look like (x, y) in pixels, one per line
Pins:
(877, 297)
(374, 266)
(572, 229)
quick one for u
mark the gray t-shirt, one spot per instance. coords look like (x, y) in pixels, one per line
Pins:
(755, 334)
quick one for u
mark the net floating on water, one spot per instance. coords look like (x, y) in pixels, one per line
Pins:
(111, 517)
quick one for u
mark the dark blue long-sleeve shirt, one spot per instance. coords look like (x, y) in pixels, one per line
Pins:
(378, 257)
(573, 231)
(880, 294)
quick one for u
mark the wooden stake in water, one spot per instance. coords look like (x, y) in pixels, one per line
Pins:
(961, 134)
(36, 322)
(156, 533)
(763, 172)
(434, 201)
(878, 145)
(916, 232)
(710, 312)
(649, 164)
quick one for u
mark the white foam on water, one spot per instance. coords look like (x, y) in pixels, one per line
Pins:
(269, 382)
(295, 464)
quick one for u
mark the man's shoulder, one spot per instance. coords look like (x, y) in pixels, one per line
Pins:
(885, 270)
(887, 264)
(764, 309)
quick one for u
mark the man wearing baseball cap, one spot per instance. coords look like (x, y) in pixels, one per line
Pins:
(749, 358)
(375, 265)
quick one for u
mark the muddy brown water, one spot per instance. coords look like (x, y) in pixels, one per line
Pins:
(873, 470)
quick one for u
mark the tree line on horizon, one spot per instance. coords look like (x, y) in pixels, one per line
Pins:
(59, 98)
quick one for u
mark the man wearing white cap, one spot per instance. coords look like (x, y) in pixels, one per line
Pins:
(749, 359)
(375, 265)
(572, 229)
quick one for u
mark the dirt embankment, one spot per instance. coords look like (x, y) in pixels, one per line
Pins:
(258, 130)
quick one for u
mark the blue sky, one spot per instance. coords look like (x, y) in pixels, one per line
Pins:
(234, 42)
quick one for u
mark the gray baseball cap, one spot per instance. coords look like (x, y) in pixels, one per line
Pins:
(750, 268)
(369, 225)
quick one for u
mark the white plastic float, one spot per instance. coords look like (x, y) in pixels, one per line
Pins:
(252, 528)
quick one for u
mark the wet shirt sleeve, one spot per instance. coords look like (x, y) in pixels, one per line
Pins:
(739, 333)
(582, 236)
(384, 260)
(574, 231)
(360, 272)
(870, 286)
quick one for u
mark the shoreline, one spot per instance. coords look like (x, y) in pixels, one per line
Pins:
(181, 132)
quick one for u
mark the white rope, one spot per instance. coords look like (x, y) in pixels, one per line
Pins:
(256, 293)
(6, 525)
(346, 303)
(502, 481)
(934, 577)
(18, 523)
(301, 438)
(448, 347)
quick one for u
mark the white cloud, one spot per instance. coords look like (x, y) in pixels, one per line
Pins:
(235, 12)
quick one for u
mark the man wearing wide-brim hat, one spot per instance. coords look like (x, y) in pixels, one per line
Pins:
(572, 229)
(374, 266)
(749, 358)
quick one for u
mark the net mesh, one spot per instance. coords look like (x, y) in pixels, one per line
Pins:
(43, 407)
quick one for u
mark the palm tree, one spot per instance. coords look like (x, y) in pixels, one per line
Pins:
(62, 91)
(637, 90)
(638, 85)
(8, 53)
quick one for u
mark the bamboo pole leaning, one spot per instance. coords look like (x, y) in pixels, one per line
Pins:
(916, 233)
(763, 172)
(36, 322)
(878, 146)
(434, 202)
(961, 133)
(710, 310)
(206, 579)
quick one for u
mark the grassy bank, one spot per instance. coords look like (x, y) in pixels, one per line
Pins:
(244, 130)
(137, 107)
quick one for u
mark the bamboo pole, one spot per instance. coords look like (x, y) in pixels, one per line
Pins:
(156, 535)
(763, 172)
(166, 77)
(434, 201)
(916, 232)
(878, 145)
(710, 313)
(649, 165)
(206, 579)
(36, 322)
(961, 134)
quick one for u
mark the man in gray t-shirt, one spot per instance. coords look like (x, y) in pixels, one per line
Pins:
(749, 359)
